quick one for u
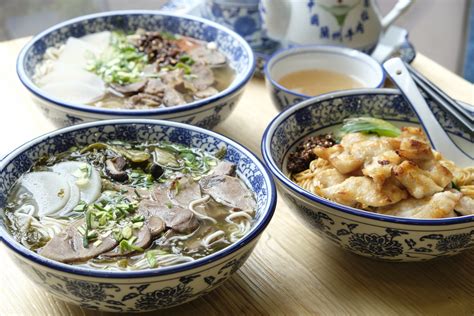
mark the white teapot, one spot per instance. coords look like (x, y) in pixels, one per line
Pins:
(352, 23)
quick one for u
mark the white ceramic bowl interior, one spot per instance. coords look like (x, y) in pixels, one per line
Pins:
(341, 60)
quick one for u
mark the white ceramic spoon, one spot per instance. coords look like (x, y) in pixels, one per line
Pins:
(437, 136)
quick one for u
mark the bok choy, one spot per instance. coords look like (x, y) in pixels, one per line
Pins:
(368, 125)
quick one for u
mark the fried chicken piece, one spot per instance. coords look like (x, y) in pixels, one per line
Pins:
(441, 175)
(342, 160)
(363, 192)
(413, 149)
(440, 205)
(325, 174)
(414, 145)
(465, 206)
(417, 181)
(356, 149)
(380, 168)
(413, 133)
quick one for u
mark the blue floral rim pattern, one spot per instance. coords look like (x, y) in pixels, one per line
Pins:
(274, 168)
(292, 51)
(267, 209)
(76, 28)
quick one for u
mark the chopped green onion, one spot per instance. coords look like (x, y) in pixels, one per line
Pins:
(127, 232)
(186, 59)
(92, 235)
(80, 207)
(138, 218)
(99, 207)
(125, 246)
(137, 225)
(85, 242)
(151, 259)
(120, 63)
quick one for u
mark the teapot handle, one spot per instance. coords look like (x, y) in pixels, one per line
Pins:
(396, 12)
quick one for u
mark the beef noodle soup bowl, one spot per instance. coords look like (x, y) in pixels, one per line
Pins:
(359, 196)
(125, 215)
(136, 64)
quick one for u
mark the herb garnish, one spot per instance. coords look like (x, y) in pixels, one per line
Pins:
(111, 214)
(120, 63)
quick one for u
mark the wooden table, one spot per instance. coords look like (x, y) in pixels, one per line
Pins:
(292, 270)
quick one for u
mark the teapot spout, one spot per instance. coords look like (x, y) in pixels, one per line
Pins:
(275, 17)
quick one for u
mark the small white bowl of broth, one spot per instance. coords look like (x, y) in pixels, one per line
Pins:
(299, 73)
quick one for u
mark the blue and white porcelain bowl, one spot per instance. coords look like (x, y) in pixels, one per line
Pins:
(350, 62)
(144, 290)
(204, 113)
(368, 234)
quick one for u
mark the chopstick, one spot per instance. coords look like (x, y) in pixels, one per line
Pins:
(460, 114)
(440, 92)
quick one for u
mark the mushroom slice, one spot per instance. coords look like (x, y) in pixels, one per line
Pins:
(115, 167)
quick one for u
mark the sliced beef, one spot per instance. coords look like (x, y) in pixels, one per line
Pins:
(224, 168)
(203, 77)
(229, 191)
(156, 225)
(212, 57)
(144, 239)
(132, 88)
(173, 78)
(177, 218)
(144, 100)
(206, 93)
(68, 246)
(184, 190)
(173, 97)
(155, 86)
(130, 192)
(185, 87)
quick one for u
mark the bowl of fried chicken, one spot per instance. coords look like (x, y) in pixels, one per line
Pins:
(357, 167)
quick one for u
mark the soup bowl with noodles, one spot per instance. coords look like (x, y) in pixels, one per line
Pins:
(414, 228)
(141, 276)
(136, 64)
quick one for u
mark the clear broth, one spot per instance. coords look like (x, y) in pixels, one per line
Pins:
(315, 81)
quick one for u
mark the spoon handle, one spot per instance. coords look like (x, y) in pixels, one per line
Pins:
(437, 136)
